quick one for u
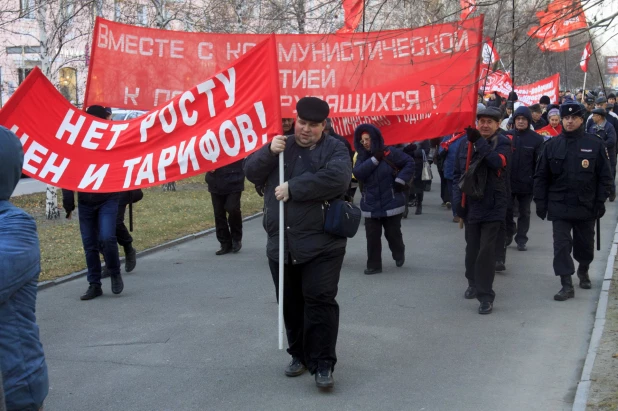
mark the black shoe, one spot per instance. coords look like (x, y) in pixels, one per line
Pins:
(500, 266)
(486, 307)
(370, 271)
(470, 293)
(117, 284)
(130, 259)
(236, 246)
(324, 376)
(584, 280)
(223, 250)
(567, 291)
(104, 272)
(419, 209)
(522, 247)
(94, 291)
(449, 205)
(399, 263)
(295, 368)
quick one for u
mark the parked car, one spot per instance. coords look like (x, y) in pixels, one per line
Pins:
(120, 115)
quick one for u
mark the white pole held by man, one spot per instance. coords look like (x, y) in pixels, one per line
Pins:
(281, 252)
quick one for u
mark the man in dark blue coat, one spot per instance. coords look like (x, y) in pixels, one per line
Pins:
(603, 128)
(527, 147)
(483, 216)
(572, 181)
(22, 361)
(225, 186)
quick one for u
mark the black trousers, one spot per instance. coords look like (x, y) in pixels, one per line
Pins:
(228, 218)
(481, 258)
(519, 230)
(444, 191)
(310, 311)
(582, 245)
(501, 242)
(392, 232)
(122, 233)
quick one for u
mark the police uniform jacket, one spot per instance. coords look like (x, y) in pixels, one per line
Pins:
(573, 176)
(324, 174)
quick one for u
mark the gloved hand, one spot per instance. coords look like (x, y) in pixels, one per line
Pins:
(461, 212)
(379, 155)
(259, 190)
(541, 211)
(398, 187)
(472, 134)
(600, 207)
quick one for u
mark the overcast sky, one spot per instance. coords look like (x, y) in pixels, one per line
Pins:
(608, 36)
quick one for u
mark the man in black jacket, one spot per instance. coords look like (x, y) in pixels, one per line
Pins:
(97, 225)
(527, 147)
(572, 181)
(317, 169)
(225, 186)
(537, 120)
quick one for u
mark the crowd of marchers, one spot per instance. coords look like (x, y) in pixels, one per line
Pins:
(560, 155)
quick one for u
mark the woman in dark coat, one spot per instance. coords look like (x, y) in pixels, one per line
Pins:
(416, 152)
(382, 173)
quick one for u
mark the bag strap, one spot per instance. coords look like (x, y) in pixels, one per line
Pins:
(390, 163)
(424, 156)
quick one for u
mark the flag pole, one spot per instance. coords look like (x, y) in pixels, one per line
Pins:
(594, 53)
(281, 253)
(584, 88)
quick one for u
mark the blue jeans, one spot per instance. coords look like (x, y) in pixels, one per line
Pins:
(97, 224)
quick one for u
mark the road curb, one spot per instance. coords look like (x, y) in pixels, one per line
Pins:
(583, 387)
(47, 284)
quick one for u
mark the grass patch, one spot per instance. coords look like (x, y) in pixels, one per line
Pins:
(160, 217)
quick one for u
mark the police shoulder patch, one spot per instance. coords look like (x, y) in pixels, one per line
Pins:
(586, 150)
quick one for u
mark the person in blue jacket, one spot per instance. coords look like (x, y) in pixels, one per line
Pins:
(484, 216)
(22, 360)
(383, 173)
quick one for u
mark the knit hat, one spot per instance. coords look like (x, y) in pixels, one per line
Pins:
(544, 100)
(553, 112)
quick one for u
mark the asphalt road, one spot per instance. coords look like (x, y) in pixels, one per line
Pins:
(195, 331)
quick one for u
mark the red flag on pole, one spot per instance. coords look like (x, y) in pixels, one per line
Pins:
(555, 45)
(353, 13)
(467, 7)
(586, 57)
(490, 55)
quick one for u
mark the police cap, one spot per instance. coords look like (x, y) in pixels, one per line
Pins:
(571, 108)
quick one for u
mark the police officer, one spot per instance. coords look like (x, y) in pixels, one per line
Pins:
(483, 217)
(572, 181)
(526, 148)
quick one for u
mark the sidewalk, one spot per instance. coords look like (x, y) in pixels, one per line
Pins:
(193, 331)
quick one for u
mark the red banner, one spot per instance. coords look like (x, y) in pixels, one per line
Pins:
(583, 64)
(221, 120)
(528, 94)
(357, 74)
(467, 8)
(612, 64)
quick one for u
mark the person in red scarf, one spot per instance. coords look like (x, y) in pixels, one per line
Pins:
(553, 128)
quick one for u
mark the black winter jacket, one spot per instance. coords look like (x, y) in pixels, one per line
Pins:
(527, 146)
(329, 178)
(227, 179)
(573, 176)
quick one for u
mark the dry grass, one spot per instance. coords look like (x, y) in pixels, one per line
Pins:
(158, 218)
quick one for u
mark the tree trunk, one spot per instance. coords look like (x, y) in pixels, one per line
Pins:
(51, 202)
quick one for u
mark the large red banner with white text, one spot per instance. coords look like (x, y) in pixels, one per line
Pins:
(356, 73)
(221, 119)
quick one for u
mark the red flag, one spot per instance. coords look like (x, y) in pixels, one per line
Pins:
(353, 12)
(555, 45)
(586, 57)
(490, 55)
(561, 17)
(467, 7)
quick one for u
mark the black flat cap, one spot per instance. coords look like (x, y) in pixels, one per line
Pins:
(491, 112)
(599, 111)
(601, 100)
(312, 109)
(545, 100)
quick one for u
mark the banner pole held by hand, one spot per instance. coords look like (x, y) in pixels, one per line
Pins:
(281, 253)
